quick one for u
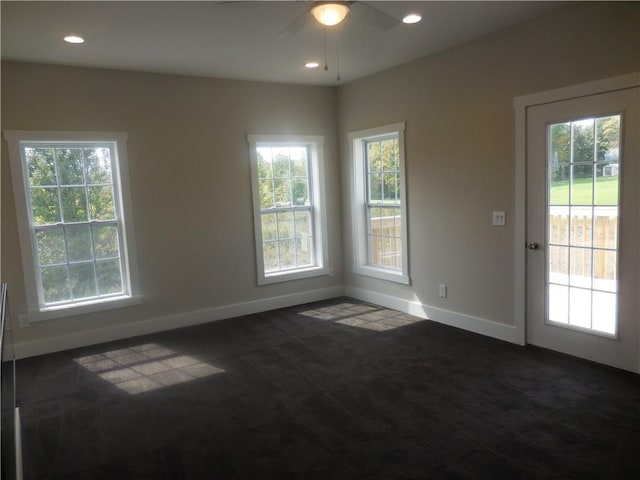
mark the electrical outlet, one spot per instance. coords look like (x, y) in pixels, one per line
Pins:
(443, 290)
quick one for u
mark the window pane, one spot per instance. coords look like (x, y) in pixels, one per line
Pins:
(390, 182)
(303, 251)
(282, 192)
(605, 270)
(581, 226)
(109, 277)
(608, 139)
(41, 166)
(285, 225)
(101, 204)
(105, 239)
(79, 244)
(580, 311)
(269, 227)
(559, 144)
(559, 225)
(377, 250)
(303, 223)
(580, 259)
(299, 162)
(558, 258)
(606, 227)
(265, 191)
(300, 192)
(45, 206)
(607, 184)
(604, 312)
(51, 246)
(375, 221)
(375, 187)
(287, 254)
(582, 184)
(98, 164)
(558, 304)
(55, 284)
(390, 221)
(70, 166)
(559, 185)
(281, 163)
(270, 256)
(82, 278)
(583, 139)
(74, 204)
(388, 155)
(374, 162)
(265, 165)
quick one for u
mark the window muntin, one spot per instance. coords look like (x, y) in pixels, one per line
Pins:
(288, 207)
(378, 203)
(72, 207)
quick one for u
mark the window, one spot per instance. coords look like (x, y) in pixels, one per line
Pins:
(379, 212)
(288, 204)
(71, 211)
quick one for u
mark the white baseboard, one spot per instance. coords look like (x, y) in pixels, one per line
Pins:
(117, 332)
(169, 322)
(470, 323)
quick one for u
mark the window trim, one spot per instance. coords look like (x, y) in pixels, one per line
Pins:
(359, 202)
(320, 243)
(35, 311)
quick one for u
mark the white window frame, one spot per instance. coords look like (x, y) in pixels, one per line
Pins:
(359, 204)
(36, 310)
(317, 196)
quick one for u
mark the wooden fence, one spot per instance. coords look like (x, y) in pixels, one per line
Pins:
(386, 244)
(571, 233)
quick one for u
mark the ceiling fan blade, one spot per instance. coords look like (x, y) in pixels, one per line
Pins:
(297, 25)
(374, 16)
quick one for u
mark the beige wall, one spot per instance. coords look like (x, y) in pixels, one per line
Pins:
(189, 176)
(190, 173)
(458, 109)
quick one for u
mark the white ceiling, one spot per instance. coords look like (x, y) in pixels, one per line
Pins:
(239, 40)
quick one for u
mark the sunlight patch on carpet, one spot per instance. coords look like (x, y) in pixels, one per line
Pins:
(147, 367)
(363, 316)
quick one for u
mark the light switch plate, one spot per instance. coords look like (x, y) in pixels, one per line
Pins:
(499, 219)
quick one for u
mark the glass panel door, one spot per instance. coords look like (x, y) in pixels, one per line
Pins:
(583, 185)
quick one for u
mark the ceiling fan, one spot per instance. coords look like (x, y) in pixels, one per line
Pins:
(330, 13)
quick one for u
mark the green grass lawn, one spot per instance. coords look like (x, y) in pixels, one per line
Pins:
(606, 191)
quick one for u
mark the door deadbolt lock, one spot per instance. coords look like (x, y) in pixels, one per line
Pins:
(532, 245)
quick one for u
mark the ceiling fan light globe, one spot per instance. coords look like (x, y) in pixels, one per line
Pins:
(330, 13)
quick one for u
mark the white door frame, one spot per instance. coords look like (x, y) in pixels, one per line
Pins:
(520, 217)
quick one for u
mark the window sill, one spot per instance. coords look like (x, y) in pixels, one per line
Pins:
(293, 275)
(382, 274)
(64, 311)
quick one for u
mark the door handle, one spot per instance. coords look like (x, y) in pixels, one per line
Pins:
(532, 245)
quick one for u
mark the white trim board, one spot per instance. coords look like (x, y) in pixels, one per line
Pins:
(520, 105)
(170, 322)
(470, 323)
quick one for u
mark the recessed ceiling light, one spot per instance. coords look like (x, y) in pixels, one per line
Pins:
(73, 39)
(412, 18)
(312, 64)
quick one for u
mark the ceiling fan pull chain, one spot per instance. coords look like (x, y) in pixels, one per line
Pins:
(338, 56)
(324, 35)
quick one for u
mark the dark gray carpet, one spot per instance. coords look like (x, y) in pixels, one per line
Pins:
(334, 390)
